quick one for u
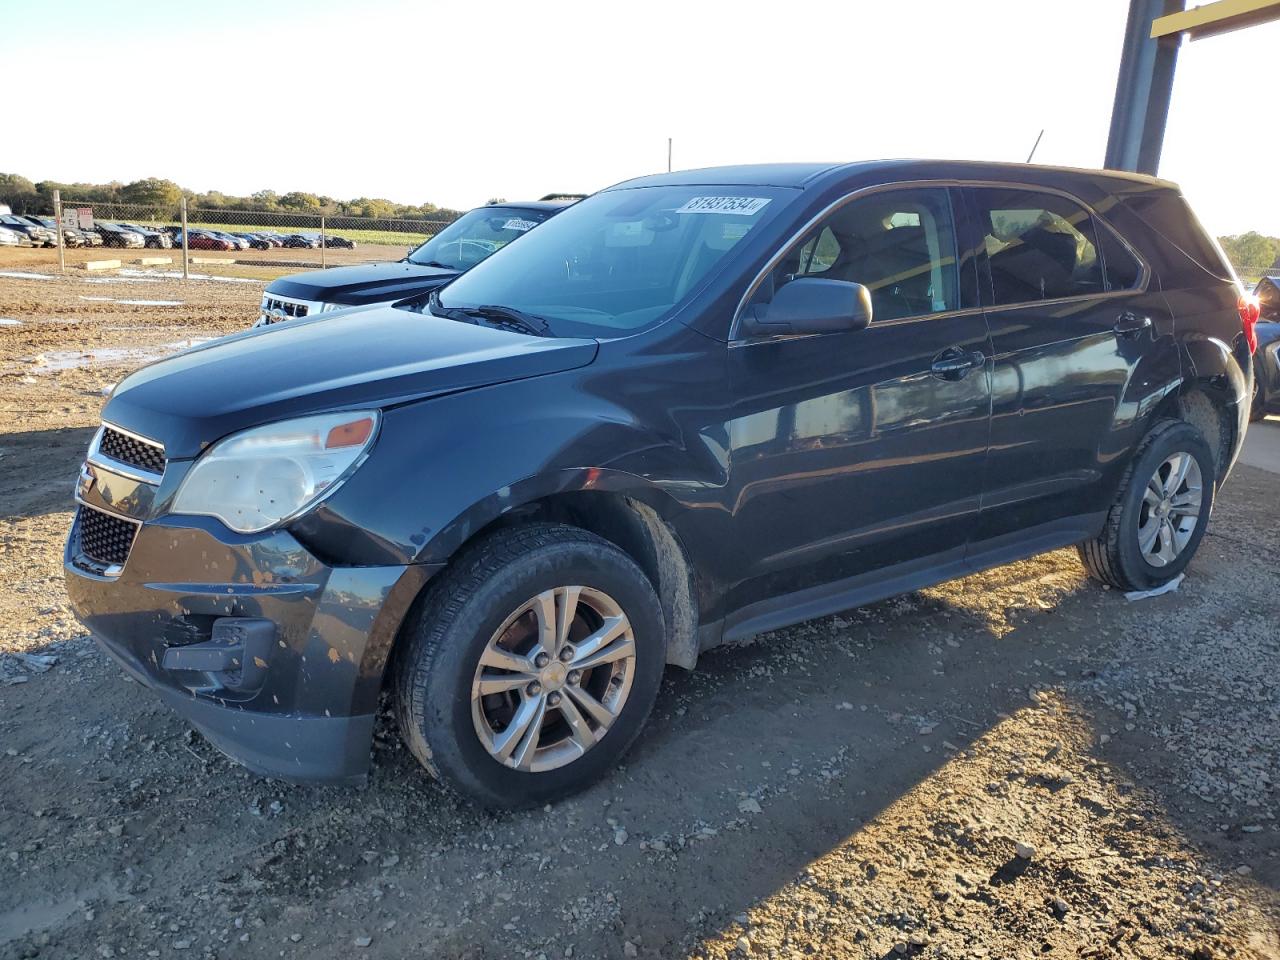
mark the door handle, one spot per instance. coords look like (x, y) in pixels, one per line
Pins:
(1130, 325)
(955, 364)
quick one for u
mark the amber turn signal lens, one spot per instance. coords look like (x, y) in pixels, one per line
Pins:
(351, 434)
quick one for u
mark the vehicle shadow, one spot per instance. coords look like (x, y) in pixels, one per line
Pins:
(38, 470)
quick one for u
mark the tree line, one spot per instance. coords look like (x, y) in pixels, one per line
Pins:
(24, 196)
(1252, 253)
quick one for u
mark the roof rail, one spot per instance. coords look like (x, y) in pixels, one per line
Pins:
(564, 196)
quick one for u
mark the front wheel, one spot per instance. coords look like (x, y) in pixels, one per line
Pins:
(1159, 516)
(532, 666)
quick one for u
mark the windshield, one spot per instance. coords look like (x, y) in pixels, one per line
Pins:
(620, 260)
(475, 235)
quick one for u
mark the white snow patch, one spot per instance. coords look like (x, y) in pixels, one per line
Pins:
(177, 275)
(136, 303)
(22, 275)
(9, 322)
(58, 360)
(118, 279)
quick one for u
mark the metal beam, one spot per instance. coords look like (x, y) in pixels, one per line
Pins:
(1143, 89)
(1211, 19)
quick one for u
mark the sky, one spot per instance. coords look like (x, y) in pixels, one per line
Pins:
(455, 103)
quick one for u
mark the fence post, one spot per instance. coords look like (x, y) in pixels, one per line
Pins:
(323, 245)
(183, 205)
(57, 217)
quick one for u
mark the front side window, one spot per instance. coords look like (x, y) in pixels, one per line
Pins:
(900, 245)
(1039, 246)
(476, 235)
(621, 260)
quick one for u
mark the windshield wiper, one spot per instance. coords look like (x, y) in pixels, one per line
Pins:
(432, 263)
(493, 314)
(510, 316)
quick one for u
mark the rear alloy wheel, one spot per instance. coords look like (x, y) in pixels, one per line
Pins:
(531, 666)
(1160, 513)
(1170, 509)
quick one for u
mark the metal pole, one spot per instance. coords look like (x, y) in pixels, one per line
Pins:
(1143, 89)
(57, 219)
(668, 154)
(322, 243)
(185, 248)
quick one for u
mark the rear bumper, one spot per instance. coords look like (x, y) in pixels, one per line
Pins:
(300, 705)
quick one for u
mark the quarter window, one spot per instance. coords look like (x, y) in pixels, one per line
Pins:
(1039, 246)
(1121, 267)
(900, 245)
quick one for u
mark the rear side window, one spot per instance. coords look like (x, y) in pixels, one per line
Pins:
(899, 244)
(1039, 246)
(1121, 267)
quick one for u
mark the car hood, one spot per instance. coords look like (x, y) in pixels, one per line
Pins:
(367, 283)
(349, 359)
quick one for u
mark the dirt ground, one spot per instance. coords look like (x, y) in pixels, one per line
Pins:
(1015, 764)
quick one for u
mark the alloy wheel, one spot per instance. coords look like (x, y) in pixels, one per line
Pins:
(553, 678)
(1170, 509)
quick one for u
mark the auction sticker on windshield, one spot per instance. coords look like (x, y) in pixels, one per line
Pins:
(744, 206)
(520, 225)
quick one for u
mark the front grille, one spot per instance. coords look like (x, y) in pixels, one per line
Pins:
(104, 538)
(126, 449)
(288, 308)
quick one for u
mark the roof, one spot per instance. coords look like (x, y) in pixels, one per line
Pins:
(804, 175)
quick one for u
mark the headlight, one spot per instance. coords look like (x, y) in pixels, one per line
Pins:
(326, 307)
(260, 477)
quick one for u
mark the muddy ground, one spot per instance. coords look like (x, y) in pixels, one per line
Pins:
(858, 786)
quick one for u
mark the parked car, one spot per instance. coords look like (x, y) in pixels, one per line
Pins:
(459, 246)
(336, 242)
(1266, 377)
(12, 238)
(301, 240)
(38, 235)
(254, 241)
(151, 237)
(114, 235)
(691, 408)
(197, 239)
(237, 243)
(92, 238)
(71, 236)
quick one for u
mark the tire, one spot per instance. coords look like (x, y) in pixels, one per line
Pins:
(1116, 556)
(464, 615)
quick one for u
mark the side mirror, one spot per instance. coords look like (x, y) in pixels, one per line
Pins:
(811, 305)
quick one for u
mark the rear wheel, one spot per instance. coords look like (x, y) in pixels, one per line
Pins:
(532, 666)
(1159, 516)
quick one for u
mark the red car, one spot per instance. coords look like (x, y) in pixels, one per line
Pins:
(199, 240)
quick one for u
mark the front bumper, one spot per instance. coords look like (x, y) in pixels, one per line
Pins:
(302, 706)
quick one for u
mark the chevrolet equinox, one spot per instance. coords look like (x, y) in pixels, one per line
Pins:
(691, 408)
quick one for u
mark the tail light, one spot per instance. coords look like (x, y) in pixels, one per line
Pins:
(1250, 310)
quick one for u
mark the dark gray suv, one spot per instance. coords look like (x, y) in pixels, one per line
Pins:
(691, 408)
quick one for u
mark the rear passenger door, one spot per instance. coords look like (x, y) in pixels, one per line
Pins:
(1079, 346)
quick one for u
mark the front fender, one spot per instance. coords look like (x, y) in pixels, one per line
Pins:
(444, 468)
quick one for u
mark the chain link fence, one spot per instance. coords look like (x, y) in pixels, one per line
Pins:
(215, 236)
